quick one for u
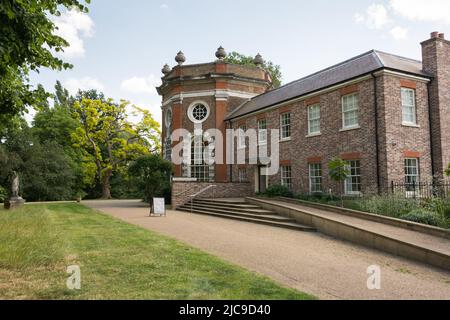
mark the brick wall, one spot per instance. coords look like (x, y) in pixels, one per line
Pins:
(182, 190)
(436, 61)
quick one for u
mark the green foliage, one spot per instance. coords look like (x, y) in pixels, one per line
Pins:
(389, 205)
(105, 135)
(274, 70)
(28, 43)
(423, 216)
(447, 172)
(3, 194)
(151, 173)
(338, 169)
(278, 191)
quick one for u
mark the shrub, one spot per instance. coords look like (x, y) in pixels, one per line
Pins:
(423, 216)
(3, 194)
(389, 205)
(442, 209)
(278, 191)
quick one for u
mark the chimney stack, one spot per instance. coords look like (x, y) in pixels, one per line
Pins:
(435, 35)
(442, 35)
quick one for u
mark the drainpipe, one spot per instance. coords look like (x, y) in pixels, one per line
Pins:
(430, 120)
(377, 139)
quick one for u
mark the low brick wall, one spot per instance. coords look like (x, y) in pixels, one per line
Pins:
(181, 191)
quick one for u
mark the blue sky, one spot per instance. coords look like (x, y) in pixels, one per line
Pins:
(121, 46)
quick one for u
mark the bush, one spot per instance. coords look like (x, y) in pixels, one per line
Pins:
(3, 194)
(423, 216)
(389, 205)
(278, 191)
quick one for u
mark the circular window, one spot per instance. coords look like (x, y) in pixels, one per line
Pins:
(198, 112)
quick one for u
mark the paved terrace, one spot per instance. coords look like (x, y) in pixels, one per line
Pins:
(310, 262)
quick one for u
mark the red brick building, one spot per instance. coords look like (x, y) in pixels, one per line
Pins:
(388, 116)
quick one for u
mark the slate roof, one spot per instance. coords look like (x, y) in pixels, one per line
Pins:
(358, 66)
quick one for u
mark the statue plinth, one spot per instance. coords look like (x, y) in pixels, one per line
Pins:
(14, 203)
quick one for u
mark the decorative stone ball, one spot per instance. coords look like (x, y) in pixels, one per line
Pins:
(221, 53)
(166, 69)
(258, 61)
(180, 58)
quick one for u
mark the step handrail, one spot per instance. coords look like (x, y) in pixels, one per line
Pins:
(195, 195)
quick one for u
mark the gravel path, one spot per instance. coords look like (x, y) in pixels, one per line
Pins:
(309, 262)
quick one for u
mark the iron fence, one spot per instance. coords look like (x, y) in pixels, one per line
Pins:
(422, 189)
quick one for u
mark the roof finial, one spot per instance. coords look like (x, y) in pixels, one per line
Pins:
(180, 58)
(221, 53)
(258, 61)
(166, 69)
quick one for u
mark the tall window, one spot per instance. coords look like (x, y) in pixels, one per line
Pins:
(411, 173)
(199, 169)
(409, 106)
(315, 177)
(241, 137)
(243, 175)
(262, 132)
(353, 182)
(286, 176)
(314, 119)
(350, 111)
(285, 126)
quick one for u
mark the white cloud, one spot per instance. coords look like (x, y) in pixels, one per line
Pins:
(423, 10)
(86, 83)
(399, 33)
(139, 85)
(74, 26)
(164, 6)
(375, 17)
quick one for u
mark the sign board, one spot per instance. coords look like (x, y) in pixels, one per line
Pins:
(159, 207)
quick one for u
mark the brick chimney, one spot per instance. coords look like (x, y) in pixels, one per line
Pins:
(436, 62)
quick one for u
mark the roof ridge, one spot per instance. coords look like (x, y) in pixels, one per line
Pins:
(397, 56)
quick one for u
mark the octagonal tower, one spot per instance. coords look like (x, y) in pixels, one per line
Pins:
(200, 96)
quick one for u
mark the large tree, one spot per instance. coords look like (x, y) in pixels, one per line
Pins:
(106, 134)
(27, 43)
(273, 69)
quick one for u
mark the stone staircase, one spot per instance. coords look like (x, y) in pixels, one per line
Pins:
(239, 209)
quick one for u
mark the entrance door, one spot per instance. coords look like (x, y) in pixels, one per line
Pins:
(262, 179)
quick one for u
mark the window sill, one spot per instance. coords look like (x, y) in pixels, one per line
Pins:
(285, 140)
(312, 135)
(350, 129)
(411, 125)
(262, 144)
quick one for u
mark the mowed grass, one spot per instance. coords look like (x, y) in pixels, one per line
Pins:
(117, 261)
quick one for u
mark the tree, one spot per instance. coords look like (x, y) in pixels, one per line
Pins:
(273, 69)
(151, 174)
(448, 170)
(339, 172)
(105, 134)
(28, 42)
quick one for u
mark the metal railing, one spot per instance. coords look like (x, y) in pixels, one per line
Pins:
(422, 190)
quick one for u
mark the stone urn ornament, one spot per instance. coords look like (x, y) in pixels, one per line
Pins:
(15, 201)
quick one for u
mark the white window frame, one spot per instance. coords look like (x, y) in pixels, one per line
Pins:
(349, 183)
(242, 137)
(286, 176)
(412, 106)
(315, 177)
(262, 132)
(285, 126)
(411, 177)
(314, 119)
(345, 113)
(191, 110)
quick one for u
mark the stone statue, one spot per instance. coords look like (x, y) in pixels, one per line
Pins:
(15, 185)
(15, 201)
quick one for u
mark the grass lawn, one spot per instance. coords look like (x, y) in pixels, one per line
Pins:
(117, 260)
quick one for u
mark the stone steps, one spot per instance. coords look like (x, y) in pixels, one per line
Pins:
(240, 210)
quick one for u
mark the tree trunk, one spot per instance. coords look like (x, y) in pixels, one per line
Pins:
(106, 187)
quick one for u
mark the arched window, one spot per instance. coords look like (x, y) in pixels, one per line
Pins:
(199, 167)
